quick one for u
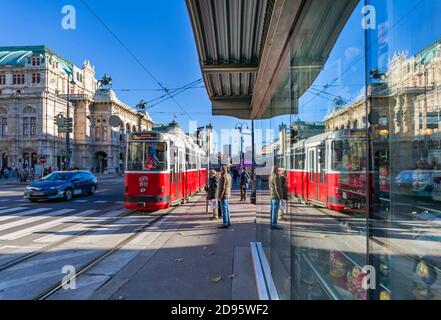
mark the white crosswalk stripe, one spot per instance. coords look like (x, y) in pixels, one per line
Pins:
(34, 219)
(101, 201)
(47, 225)
(66, 233)
(24, 213)
(80, 201)
(12, 209)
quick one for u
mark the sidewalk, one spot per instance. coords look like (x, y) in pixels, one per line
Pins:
(191, 258)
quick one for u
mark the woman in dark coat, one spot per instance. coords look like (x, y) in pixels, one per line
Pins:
(211, 189)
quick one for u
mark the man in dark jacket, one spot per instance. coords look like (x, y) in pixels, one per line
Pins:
(211, 189)
(244, 181)
(276, 196)
(224, 195)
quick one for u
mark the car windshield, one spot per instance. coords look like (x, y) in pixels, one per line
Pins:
(59, 176)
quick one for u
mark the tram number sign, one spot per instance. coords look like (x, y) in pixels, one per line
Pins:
(143, 183)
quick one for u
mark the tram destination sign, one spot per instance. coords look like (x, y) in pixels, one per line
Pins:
(145, 136)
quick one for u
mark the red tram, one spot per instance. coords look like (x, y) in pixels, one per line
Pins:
(163, 168)
(328, 170)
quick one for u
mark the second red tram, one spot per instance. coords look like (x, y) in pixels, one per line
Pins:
(163, 168)
(328, 169)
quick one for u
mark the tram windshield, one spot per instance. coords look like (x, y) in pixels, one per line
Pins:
(349, 155)
(146, 156)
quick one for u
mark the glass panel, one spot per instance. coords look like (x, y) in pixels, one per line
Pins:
(405, 105)
(142, 156)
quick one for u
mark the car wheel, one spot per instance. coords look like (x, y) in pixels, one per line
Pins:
(68, 194)
(33, 200)
(92, 190)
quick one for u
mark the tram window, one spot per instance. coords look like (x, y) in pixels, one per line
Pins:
(147, 156)
(349, 155)
(299, 159)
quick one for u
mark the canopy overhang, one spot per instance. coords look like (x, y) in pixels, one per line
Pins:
(243, 44)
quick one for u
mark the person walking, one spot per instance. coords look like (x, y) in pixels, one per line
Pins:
(244, 181)
(224, 195)
(211, 188)
(276, 196)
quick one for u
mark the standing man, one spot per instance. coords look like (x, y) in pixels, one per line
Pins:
(211, 189)
(224, 195)
(244, 181)
(276, 196)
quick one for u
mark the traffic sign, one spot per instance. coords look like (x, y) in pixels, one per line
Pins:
(64, 154)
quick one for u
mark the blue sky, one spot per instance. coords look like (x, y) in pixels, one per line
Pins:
(160, 35)
(157, 32)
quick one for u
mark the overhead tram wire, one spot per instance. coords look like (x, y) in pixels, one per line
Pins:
(370, 46)
(167, 91)
(165, 98)
(180, 90)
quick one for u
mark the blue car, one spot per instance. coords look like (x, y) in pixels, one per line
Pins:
(62, 185)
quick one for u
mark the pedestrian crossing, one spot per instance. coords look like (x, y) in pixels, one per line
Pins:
(20, 222)
(26, 202)
(47, 225)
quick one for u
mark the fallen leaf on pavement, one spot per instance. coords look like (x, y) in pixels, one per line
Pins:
(211, 253)
(179, 259)
(231, 276)
(180, 233)
(216, 279)
(204, 248)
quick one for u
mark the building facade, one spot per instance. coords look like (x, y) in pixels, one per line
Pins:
(34, 89)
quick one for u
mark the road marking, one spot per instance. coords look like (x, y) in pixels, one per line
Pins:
(21, 200)
(47, 225)
(34, 219)
(68, 232)
(80, 201)
(23, 214)
(100, 201)
(12, 209)
(120, 202)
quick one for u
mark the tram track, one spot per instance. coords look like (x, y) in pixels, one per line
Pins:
(95, 261)
(46, 248)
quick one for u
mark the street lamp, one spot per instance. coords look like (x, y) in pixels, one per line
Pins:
(239, 126)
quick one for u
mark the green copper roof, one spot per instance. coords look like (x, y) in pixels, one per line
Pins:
(428, 54)
(17, 56)
(14, 57)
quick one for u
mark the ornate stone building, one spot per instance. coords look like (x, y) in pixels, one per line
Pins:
(34, 89)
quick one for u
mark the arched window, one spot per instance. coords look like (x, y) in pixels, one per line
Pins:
(134, 129)
(101, 129)
(29, 121)
(355, 124)
(127, 128)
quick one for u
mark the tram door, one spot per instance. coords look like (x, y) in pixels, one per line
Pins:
(174, 165)
(313, 176)
(180, 184)
(322, 187)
